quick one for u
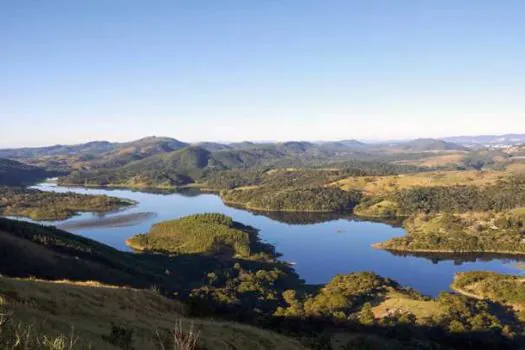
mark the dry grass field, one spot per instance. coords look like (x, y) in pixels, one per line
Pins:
(89, 309)
(381, 184)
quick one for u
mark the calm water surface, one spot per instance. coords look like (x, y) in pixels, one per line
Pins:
(320, 250)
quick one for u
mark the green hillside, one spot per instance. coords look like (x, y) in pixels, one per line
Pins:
(28, 249)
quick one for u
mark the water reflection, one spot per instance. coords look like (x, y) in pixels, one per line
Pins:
(461, 258)
(99, 220)
(321, 244)
(310, 218)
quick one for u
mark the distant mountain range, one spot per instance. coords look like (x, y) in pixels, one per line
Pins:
(167, 153)
(508, 139)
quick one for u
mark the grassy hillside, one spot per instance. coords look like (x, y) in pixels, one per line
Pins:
(378, 185)
(34, 250)
(40, 205)
(109, 317)
(13, 173)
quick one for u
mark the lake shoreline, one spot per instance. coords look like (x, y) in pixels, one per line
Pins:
(380, 246)
(320, 249)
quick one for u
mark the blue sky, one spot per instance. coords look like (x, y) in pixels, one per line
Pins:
(74, 71)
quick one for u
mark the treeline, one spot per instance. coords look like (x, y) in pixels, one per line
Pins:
(40, 205)
(322, 199)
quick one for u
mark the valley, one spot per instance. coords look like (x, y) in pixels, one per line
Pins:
(339, 243)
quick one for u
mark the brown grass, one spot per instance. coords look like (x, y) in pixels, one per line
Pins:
(397, 302)
(436, 161)
(92, 308)
(382, 184)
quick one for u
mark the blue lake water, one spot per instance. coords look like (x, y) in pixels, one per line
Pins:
(319, 250)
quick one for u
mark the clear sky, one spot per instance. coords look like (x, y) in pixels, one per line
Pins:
(78, 70)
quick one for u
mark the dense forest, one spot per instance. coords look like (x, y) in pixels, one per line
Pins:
(504, 195)
(507, 289)
(40, 205)
(501, 232)
(322, 199)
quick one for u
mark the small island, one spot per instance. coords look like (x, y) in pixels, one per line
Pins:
(209, 233)
(42, 206)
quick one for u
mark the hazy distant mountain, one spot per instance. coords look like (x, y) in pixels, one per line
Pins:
(424, 145)
(243, 144)
(124, 153)
(212, 146)
(343, 144)
(508, 139)
(33, 152)
(295, 146)
(144, 145)
(97, 154)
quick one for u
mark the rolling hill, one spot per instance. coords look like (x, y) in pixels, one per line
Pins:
(93, 155)
(424, 145)
(99, 316)
(28, 249)
(13, 173)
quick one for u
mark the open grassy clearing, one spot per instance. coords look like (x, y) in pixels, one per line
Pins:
(398, 302)
(381, 184)
(437, 161)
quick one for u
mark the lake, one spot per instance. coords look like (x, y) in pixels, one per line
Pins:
(320, 245)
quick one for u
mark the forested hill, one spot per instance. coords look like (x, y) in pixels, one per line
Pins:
(94, 147)
(93, 155)
(28, 249)
(13, 173)
(194, 163)
(422, 145)
(105, 154)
